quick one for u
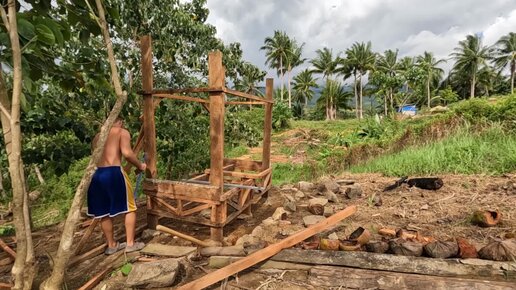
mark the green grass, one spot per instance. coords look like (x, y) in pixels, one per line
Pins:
(284, 173)
(492, 152)
(236, 151)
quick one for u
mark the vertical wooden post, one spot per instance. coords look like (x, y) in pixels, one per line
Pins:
(216, 79)
(266, 150)
(149, 126)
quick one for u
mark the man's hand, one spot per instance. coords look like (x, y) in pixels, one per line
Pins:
(141, 168)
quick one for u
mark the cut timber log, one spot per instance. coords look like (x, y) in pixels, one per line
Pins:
(223, 251)
(217, 262)
(325, 276)
(187, 237)
(269, 251)
(417, 265)
(8, 250)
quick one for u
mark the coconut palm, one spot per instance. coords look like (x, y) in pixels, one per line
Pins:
(326, 65)
(277, 49)
(505, 55)
(249, 76)
(432, 73)
(470, 56)
(335, 91)
(361, 59)
(294, 59)
(388, 65)
(304, 83)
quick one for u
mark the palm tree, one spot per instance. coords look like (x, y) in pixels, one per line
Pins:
(470, 56)
(428, 63)
(293, 60)
(277, 50)
(388, 64)
(304, 83)
(334, 90)
(326, 65)
(505, 55)
(249, 76)
(361, 59)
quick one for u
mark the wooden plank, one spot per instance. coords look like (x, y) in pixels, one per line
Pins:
(149, 125)
(182, 197)
(191, 219)
(176, 188)
(86, 236)
(322, 277)
(243, 103)
(269, 251)
(244, 164)
(403, 264)
(247, 96)
(212, 89)
(216, 78)
(267, 126)
(5, 286)
(7, 249)
(182, 98)
(240, 174)
(165, 204)
(196, 209)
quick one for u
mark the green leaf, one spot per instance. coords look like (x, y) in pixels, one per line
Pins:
(45, 34)
(126, 269)
(26, 29)
(4, 39)
(56, 29)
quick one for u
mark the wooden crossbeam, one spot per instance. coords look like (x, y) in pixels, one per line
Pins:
(244, 164)
(182, 98)
(173, 189)
(247, 96)
(185, 90)
(243, 103)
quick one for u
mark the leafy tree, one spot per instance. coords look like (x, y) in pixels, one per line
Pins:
(433, 74)
(325, 64)
(304, 83)
(505, 55)
(334, 89)
(448, 96)
(387, 70)
(361, 59)
(470, 56)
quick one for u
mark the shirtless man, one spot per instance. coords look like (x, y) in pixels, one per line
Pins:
(111, 193)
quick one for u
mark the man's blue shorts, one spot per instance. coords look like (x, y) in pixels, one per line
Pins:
(110, 193)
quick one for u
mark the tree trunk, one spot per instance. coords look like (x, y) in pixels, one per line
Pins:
(38, 174)
(428, 91)
(288, 87)
(356, 95)
(65, 246)
(281, 76)
(472, 87)
(513, 70)
(360, 114)
(385, 105)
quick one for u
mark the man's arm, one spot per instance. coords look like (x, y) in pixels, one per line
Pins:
(127, 151)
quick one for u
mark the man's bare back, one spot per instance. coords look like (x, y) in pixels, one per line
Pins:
(118, 144)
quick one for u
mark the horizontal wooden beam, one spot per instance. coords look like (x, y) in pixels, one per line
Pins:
(181, 197)
(402, 264)
(191, 219)
(243, 103)
(244, 164)
(247, 96)
(172, 189)
(180, 91)
(182, 98)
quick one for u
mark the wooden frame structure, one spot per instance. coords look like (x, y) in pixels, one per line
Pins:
(230, 186)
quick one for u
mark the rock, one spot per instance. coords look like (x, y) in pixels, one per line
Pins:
(353, 192)
(289, 197)
(328, 184)
(305, 186)
(148, 234)
(345, 182)
(299, 195)
(269, 221)
(331, 196)
(319, 200)
(328, 211)
(258, 232)
(377, 200)
(333, 236)
(157, 274)
(316, 209)
(279, 214)
(167, 250)
(246, 240)
(290, 206)
(312, 219)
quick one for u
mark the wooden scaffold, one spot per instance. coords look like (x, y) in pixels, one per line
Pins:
(230, 186)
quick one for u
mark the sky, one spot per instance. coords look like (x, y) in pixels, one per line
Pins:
(411, 26)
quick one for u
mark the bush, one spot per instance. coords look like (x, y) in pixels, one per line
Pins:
(281, 116)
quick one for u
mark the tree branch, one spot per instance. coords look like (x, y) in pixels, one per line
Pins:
(6, 113)
(4, 18)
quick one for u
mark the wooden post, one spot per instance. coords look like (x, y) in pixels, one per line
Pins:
(216, 79)
(149, 126)
(266, 152)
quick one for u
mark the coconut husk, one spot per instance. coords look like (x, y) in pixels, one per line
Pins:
(424, 239)
(360, 235)
(441, 249)
(387, 232)
(347, 245)
(316, 209)
(486, 218)
(499, 251)
(311, 243)
(377, 247)
(406, 234)
(466, 250)
(329, 245)
(403, 247)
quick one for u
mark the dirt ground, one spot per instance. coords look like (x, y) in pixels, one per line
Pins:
(443, 214)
